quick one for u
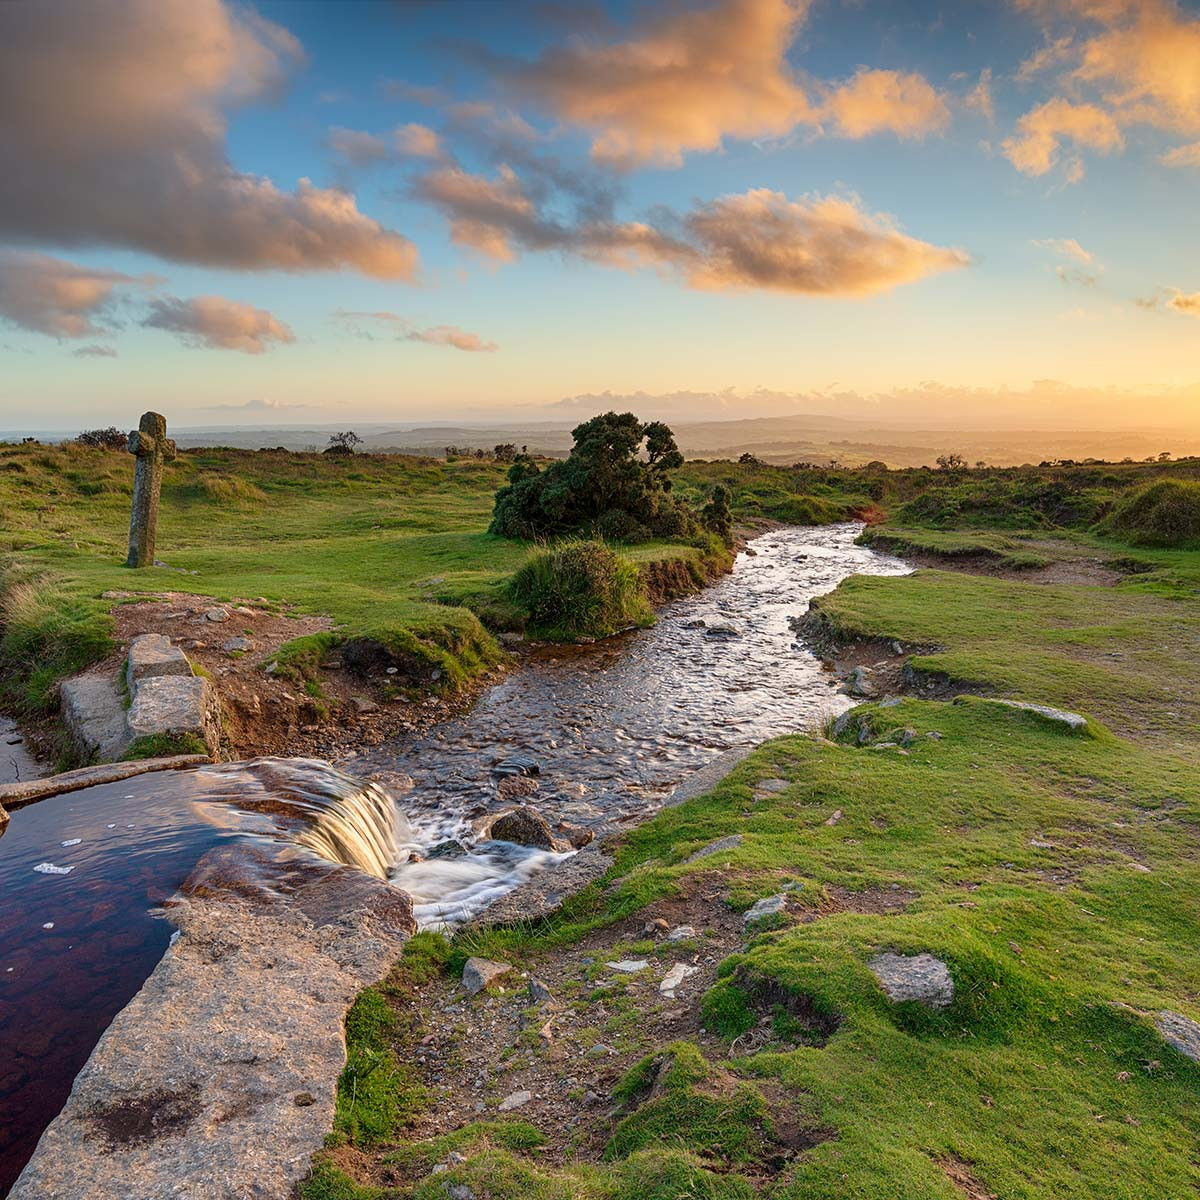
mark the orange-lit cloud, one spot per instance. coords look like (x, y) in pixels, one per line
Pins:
(886, 101)
(1068, 248)
(214, 323)
(687, 80)
(1142, 64)
(405, 330)
(682, 82)
(112, 129)
(979, 98)
(818, 245)
(1036, 147)
(1188, 304)
(359, 149)
(1183, 156)
(49, 295)
(759, 239)
(486, 214)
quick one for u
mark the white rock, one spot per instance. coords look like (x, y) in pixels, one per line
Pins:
(1072, 721)
(674, 977)
(681, 933)
(515, 1100)
(726, 843)
(1180, 1032)
(629, 966)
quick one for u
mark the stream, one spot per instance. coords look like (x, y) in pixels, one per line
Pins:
(606, 730)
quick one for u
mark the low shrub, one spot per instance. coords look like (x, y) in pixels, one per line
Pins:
(580, 589)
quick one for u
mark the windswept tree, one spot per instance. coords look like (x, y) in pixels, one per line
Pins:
(616, 483)
(343, 443)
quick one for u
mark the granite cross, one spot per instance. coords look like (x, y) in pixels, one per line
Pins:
(152, 447)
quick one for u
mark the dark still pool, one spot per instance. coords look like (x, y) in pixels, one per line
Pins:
(80, 876)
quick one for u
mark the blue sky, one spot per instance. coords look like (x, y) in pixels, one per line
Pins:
(813, 203)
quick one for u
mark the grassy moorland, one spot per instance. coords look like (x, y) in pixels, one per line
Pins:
(388, 546)
(1056, 873)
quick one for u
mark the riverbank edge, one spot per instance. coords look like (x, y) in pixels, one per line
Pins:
(111, 1079)
(452, 676)
(172, 1059)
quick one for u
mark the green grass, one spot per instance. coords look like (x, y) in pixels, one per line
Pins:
(1042, 1073)
(162, 745)
(378, 1091)
(1056, 874)
(1123, 653)
(578, 589)
(389, 547)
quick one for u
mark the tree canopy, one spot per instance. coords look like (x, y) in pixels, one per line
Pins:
(616, 483)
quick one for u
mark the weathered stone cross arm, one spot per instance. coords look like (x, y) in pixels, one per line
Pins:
(145, 441)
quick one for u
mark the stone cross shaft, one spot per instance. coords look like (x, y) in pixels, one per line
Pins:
(153, 448)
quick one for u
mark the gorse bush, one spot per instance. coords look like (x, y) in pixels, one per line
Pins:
(615, 484)
(1166, 513)
(580, 589)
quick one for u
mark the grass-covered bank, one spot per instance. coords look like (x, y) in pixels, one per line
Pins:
(392, 549)
(1055, 873)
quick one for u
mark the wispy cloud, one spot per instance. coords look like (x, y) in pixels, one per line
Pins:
(402, 329)
(214, 323)
(760, 239)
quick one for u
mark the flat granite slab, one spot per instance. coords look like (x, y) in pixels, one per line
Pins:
(217, 1080)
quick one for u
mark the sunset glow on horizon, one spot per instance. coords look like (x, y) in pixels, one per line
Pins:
(290, 213)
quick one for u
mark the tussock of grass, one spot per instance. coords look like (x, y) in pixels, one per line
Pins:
(1165, 513)
(377, 1092)
(228, 489)
(580, 588)
(163, 745)
(676, 1098)
(44, 635)
(326, 1182)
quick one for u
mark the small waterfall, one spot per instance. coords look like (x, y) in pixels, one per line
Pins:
(341, 818)
(309, 803)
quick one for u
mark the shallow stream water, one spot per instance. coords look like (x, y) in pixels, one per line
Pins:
(611, 728)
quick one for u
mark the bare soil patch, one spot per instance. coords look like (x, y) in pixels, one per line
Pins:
(263, 714)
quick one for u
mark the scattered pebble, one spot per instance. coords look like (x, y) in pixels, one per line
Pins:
(515, 1100)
